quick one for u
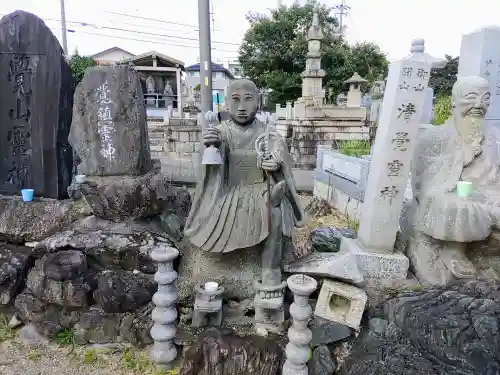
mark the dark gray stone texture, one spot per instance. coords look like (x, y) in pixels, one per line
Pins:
(322, 362)
(15, 261)
(225, 353)
(441, 331)
(123, 291)
(22, 222)
(119, 198)
(109, 128)
(36, 99)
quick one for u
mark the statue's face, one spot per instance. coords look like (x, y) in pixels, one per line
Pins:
(471, 100)
(474, 101)
(242, 102)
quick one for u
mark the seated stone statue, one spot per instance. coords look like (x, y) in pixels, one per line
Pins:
(229, 211)
(443, 223)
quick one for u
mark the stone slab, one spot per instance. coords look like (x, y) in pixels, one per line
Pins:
(36, 98)
(341, 266)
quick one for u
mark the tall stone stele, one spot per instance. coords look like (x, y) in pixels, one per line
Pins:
(35, 108)
(109, 129)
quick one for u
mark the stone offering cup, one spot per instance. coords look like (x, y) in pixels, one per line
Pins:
(211, 286)
(80, 178)
(27, 194)
(464, 189)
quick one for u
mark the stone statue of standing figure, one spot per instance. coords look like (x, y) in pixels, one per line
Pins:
(230, 210)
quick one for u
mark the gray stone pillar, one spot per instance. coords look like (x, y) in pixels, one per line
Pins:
(297, 350)
(164, 314)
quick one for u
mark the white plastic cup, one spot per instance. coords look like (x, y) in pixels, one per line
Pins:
(464, 189)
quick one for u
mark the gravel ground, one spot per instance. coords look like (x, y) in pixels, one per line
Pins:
(17, 358)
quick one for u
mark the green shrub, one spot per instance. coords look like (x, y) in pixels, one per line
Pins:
(354, 147)
(442, 110)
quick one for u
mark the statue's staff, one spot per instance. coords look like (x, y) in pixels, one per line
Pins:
(262, 146)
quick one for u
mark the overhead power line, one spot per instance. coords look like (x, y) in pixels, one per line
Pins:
(97, 26)
(150, 19)
(141, 40)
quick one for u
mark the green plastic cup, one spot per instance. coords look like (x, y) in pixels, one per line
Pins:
(464, 189)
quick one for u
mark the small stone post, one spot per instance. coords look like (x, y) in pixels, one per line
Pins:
(164, 314)
(299, 336)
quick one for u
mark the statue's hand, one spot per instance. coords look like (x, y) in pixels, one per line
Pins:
(269, 164)
(211, 137)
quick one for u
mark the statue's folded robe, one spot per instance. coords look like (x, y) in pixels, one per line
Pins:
(438, 166)
(229, 211)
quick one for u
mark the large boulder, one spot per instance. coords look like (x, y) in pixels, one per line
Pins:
(15, 261)
(442, 331)
(120, 198)
(109, 129)
(122, 291)
(225, 353)
(22, 222)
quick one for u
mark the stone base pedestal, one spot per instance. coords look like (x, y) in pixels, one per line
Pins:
(269, 308)
(379, 270)
(355, 264)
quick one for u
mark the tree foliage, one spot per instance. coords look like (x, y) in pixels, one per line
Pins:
(442, 80)
(78, 65)
(442, 110)
(274, 49)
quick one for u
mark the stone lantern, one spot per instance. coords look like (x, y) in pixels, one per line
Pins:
(354, 96)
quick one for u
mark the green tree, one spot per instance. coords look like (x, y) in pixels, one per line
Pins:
(78, 65)
(442, 109)
(274, 49)
(442, 80)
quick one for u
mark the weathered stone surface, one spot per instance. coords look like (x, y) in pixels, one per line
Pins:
(225, 353)
(97, 326)
(322, 362)
(342, 266)
(133, 197)
(122, 291)
(327, 332)
(70, 293)
(442, 331)
(109, 129)
(236, 271)
(36, 96)
(110, 245)
(33, 221)
(29, 335)
(65, 265)
(15, 261)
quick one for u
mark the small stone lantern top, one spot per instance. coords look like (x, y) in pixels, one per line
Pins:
(356, 78)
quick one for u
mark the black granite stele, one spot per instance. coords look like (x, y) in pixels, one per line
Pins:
(35, 108)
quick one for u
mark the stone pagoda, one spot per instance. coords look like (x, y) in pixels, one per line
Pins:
(312, 76)
(309, 122)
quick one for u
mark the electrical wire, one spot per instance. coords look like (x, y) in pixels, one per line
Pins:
(139, 40)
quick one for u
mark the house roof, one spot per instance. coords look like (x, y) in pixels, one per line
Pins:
(215, 68)
(147, 59)
(111, 50)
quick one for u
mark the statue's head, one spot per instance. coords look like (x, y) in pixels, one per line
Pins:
(242, 100)
(470, 101)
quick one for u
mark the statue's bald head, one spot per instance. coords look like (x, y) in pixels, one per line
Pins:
(242, 101)
(470, 96)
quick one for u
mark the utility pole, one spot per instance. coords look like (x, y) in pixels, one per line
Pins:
(205, 58)
(279, 4)
(341, 11)
(63, 28)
